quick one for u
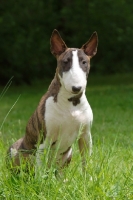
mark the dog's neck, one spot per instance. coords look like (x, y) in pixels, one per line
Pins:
(54, 88)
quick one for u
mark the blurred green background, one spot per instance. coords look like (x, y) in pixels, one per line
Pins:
(26, 27)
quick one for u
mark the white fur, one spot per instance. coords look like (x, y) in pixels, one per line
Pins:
(13, 152)
(63, 121)
(66, 156)
(75, 76)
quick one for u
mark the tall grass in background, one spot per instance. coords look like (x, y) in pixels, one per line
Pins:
(111, 164)
(1, 96)
(6, 88)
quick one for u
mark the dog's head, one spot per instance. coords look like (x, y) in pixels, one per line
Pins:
(73, 64)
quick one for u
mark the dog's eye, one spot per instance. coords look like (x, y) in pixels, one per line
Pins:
(83, 62)
(65, 61)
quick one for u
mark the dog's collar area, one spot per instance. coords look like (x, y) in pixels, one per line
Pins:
(76, 99)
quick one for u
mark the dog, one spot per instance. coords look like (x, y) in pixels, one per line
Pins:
(62, 110)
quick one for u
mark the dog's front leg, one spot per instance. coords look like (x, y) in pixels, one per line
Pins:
(63, 162)
(85, 147)
(42, 157)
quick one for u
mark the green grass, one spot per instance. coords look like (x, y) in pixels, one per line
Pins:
(111, 164)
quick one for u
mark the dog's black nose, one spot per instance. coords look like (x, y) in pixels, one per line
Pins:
(76, 89)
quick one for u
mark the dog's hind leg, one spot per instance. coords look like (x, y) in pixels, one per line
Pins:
(17, 155)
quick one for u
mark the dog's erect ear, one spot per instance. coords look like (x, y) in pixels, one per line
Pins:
(58, 46)
(90, 47)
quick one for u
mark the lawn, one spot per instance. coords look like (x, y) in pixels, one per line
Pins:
(111, 164)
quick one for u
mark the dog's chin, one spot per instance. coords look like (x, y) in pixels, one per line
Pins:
(76, 94)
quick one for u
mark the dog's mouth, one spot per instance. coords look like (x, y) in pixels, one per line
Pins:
(75, 92)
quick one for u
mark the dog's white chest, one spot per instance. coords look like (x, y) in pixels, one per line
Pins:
(63, 121)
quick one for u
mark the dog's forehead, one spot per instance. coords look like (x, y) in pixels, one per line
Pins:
(68, 54)
(75, 58)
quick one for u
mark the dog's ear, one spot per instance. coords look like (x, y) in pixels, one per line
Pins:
(90, 47)
(58, 46)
